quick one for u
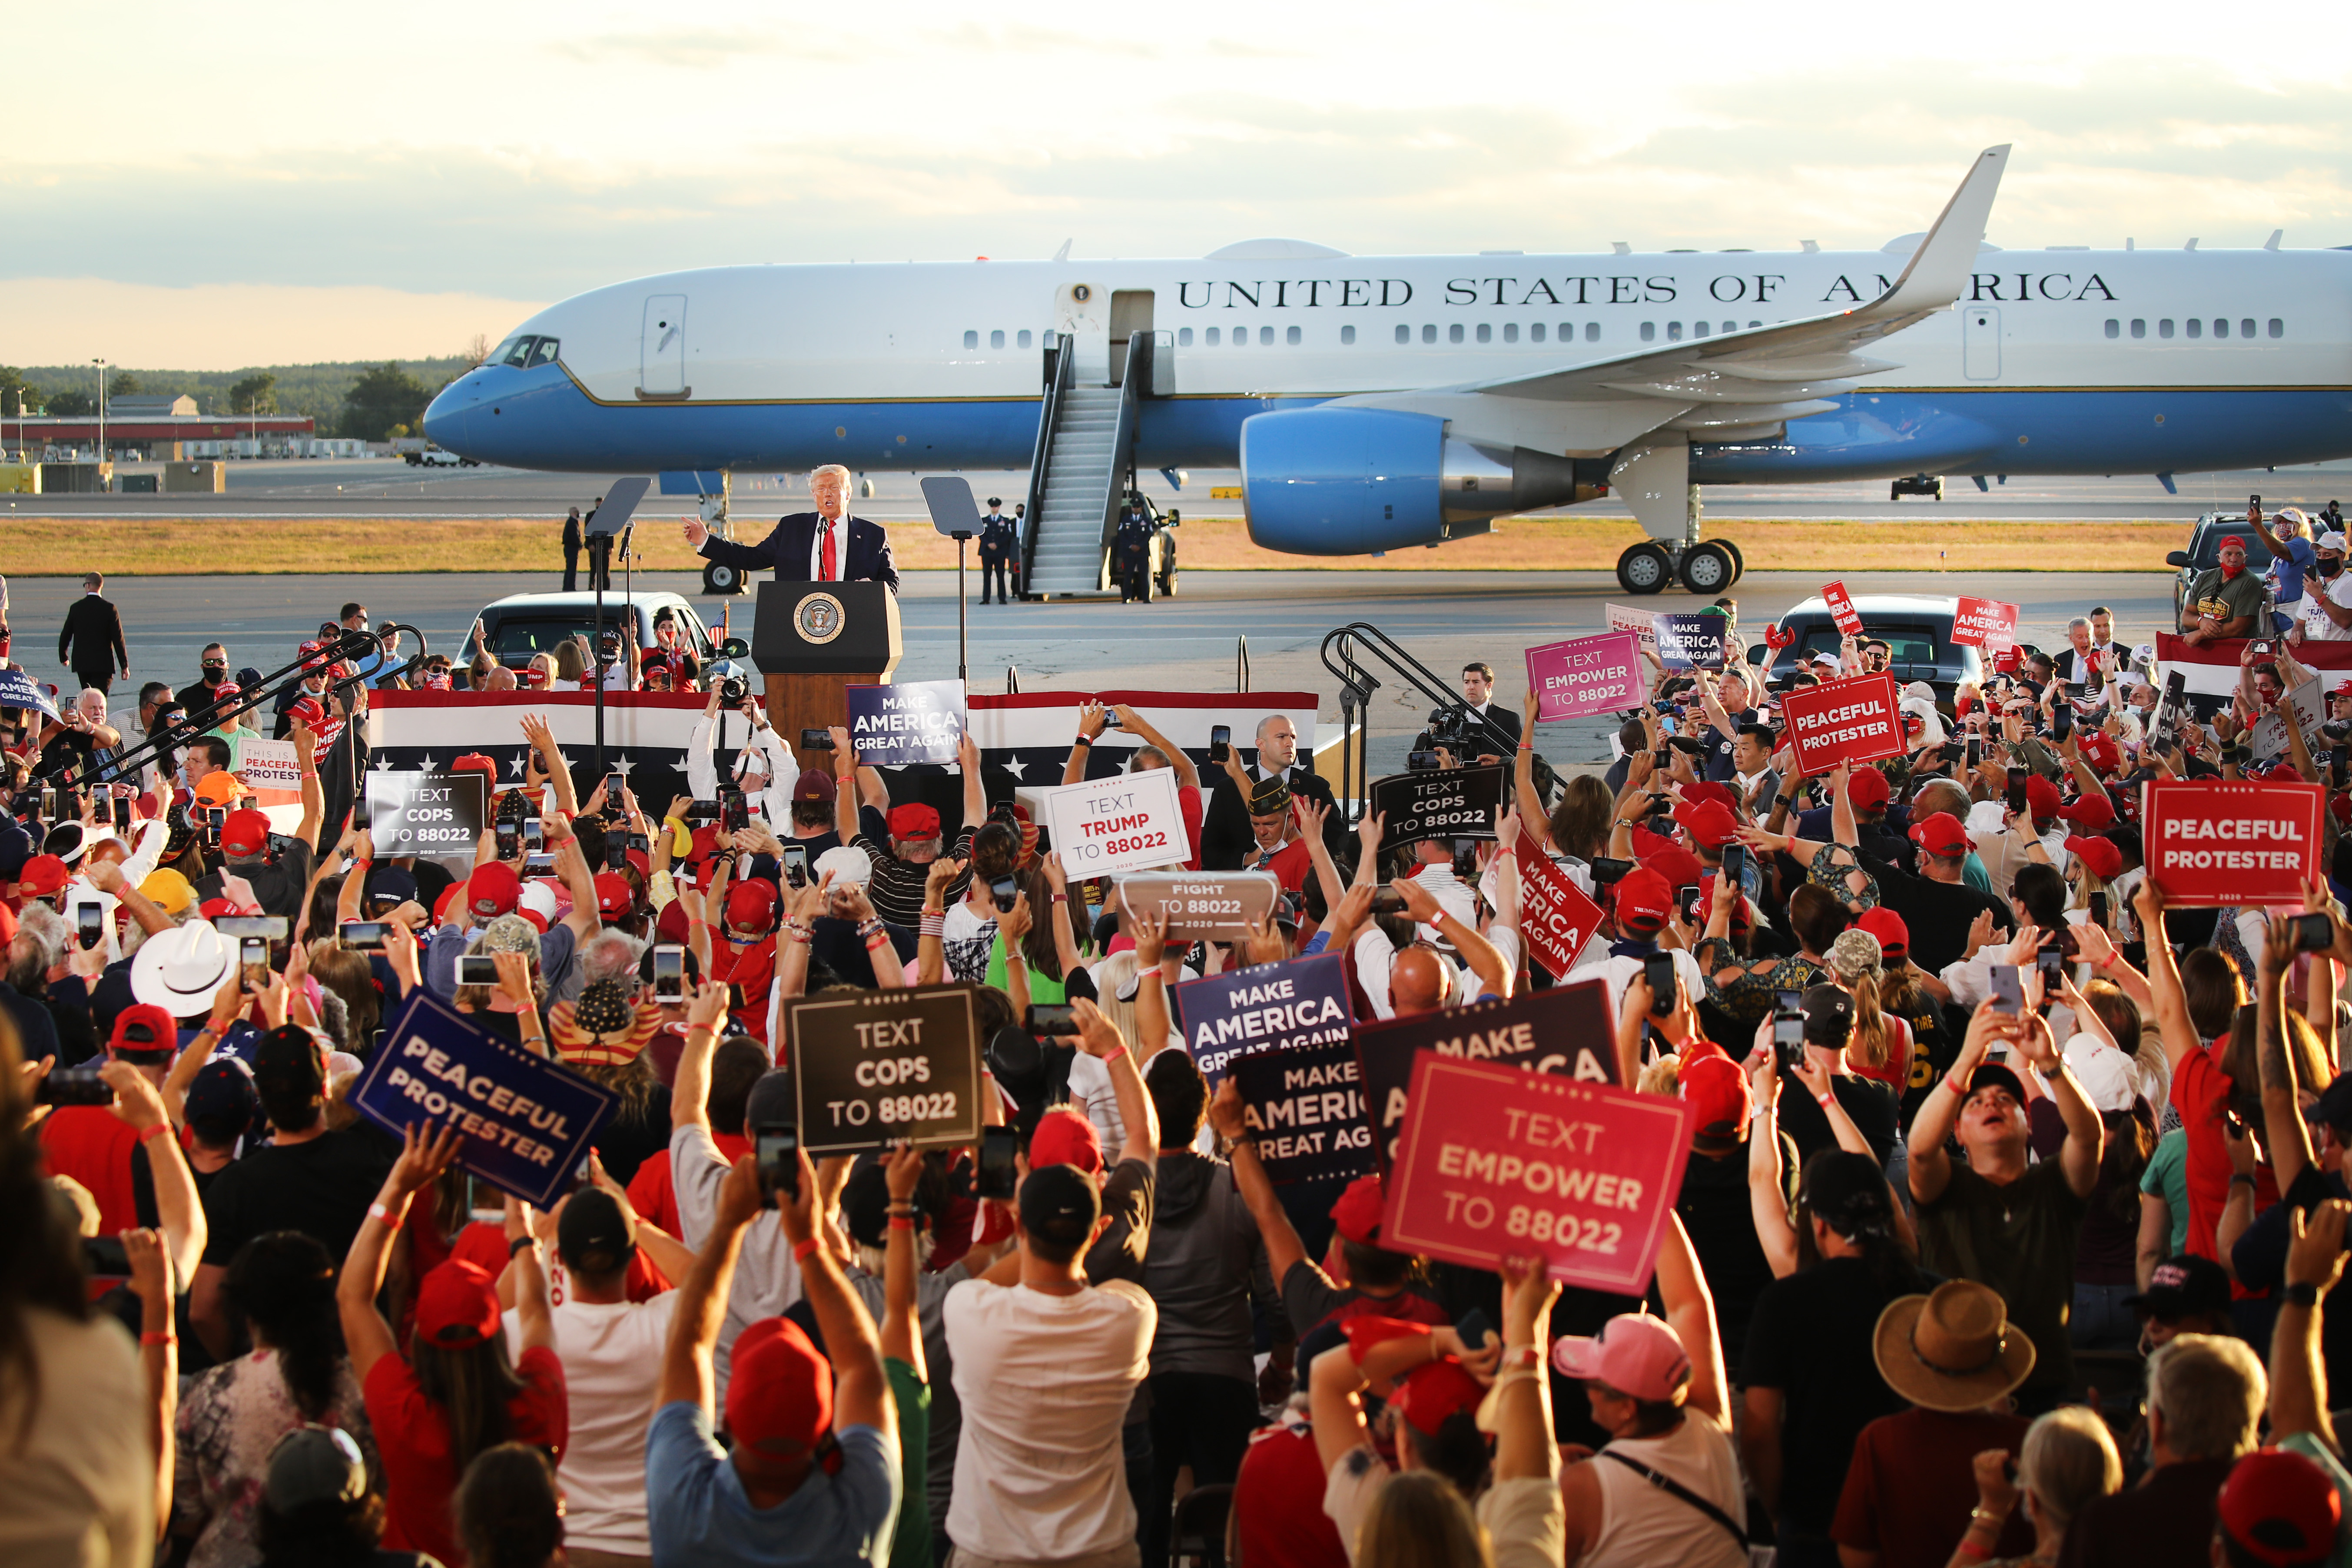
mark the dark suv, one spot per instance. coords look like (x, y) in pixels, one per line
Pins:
(2204, 554)
(1916, 628)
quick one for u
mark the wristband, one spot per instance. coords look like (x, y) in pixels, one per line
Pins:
(933, 923)
(902, 1222)
(1825, 1101)
(158, 1130)
(519, 1243)
(2301, 1293)
(159, 1337)
(2238, 1176)
(1527, 745)
(377, 1211)
(1956, 1086)
(801, 1249)
(873, 928)
(1084, 740)
(1059, 898)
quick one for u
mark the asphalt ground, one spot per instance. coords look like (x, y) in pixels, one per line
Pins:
(377, 486)
(1190, 643)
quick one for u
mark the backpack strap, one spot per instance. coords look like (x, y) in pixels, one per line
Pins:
(1676, 1489)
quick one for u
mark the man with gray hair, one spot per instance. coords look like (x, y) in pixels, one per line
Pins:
(827, 545)
(2205, 1399)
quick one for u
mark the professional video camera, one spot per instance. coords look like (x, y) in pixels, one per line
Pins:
(1450, 729)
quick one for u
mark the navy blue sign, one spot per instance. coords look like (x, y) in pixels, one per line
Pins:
(915, 721)
(1566, 1031)
(527, 1120)
(1267, 1008)
(18, 690)
(1690, 639)
(1307, 1107)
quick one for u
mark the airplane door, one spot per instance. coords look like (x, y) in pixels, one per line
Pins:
(1081, 314)
(1980, 342)
(661, 355)
(1130, 312)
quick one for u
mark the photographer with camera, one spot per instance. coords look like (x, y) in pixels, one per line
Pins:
(762, 767)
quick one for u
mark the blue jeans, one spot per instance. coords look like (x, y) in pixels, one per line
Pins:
(2101, 1322)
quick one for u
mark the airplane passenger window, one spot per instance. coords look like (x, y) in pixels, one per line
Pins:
(1429, 334)
(1347, 334)
(2164, 328)
(1730, 326)
(1486, 333)
(2196, 328)
(1404, 334)
(2246, 327)
(1568, 331)
(972, 340)
(1699, 329)
(2115, 328)
(1649, 332)
(2139, 328)
(1535, 333)
(2221, 326)
(1183, 337)
(2278, 328)
(1210, 337)
(544, 350)
(1265, 337)
(996, 340)
(1752, 326)
(1591, 332)
(1291, 337)
(1674, 332)
(1023, 341)
(1510, 332)
(1454, 334)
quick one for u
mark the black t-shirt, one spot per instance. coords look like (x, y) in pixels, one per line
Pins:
(278, 884)
(1715, 1209)
(1868, 1104)
(1720, 768)
(633, 1137)
(321, 1188)
(1938, 913)
(1811, 1338)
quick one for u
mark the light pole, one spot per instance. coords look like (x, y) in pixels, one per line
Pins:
(102, 415)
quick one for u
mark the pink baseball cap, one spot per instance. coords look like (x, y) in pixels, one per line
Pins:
(1638, 1356)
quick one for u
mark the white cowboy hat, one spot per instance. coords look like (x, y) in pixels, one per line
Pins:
(182, 970)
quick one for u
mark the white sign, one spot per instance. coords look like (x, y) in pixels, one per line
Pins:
(1642, 623)
(269, 764)
(1130, 823)
(2267, 737)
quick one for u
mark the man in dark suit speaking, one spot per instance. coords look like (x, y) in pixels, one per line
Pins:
(827, 545)
(1225, 837)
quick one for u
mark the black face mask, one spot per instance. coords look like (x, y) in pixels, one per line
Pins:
(2327, 568)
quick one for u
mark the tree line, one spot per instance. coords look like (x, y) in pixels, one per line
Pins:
(370, 401)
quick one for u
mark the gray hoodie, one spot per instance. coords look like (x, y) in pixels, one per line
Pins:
(1206, 1266)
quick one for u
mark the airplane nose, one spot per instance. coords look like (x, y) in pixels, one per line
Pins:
(449, 417)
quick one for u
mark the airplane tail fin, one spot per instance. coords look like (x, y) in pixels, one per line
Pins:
(1938, 271)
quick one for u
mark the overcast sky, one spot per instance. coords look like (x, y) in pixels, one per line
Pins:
(245, 183)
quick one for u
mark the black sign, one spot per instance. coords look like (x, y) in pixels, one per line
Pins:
(1451, 803)
(877, 1066)
(1568, 1031)
(1281, 1006)
(424, 814)
(1307, 1106)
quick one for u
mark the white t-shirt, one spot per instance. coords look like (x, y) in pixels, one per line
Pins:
(966, 939)
(611, 1356)
(1045, 1382)
(80, 1484)
(2317, 627)
(767, 1280)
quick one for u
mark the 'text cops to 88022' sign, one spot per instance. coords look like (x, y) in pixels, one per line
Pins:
(1130, 823)
(424, 814)
(882, 1065)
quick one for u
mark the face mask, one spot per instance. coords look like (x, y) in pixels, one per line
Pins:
(2327, 565)
(2230, 573)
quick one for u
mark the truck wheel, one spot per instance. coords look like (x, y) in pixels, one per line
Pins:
(720, 577)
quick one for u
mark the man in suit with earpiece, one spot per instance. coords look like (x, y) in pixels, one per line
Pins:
(827, 545)
(1225, 835)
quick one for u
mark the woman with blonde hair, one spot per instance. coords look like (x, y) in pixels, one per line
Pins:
(1418, 1521)
(2068, 1462)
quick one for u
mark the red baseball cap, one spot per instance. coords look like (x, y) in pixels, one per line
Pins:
(493, 890)
(2099, 750)
(2090, 811)
(1638, 1356)
(245, 834)
(213, 909)
(1678, 865)
(1717, 1092)
(1434, 1391)
(1064, 1137)
(1643, 898)
(1708, 822)
(2278, 1508)
(1941, 835)
(1894, 936)
(672, 925)
(2228, 539)
(2099, 856)
(615, 897)
(457, 1306)
(779, 1390)
(705, 844)
(143, 1029)
(751, 905)
(1710, 790)
(914, 822)
(42, 876)
(474, 762)
(815, 784)
(2041, 797)
(1357, 1214)
(1866, 788)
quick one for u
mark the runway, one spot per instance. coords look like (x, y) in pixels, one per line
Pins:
(1190, 643)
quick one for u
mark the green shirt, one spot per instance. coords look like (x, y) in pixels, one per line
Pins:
(2226, 600)
(1043, 989)
(910, 1544)
(1973, 872)
(2167, 1177)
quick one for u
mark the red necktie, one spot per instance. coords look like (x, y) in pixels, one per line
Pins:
(825, 552)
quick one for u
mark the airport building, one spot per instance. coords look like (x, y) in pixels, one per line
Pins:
(156, 429)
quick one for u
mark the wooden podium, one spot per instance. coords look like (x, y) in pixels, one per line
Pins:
(812, 639)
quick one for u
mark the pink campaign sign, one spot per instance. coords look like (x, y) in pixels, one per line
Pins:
(1583, 676)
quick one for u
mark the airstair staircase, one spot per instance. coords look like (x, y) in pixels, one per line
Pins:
(1079, 476)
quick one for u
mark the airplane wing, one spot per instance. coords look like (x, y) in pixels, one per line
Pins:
(1776, 373)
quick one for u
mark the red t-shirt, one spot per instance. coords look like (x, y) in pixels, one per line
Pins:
(96, 1148)
(1911, 1484)
(1290, 864)
(2200, 1092)
(1188, 805)
(1277, 1503)
(1895, 1072)
(754, 969)
(411, 1433)
(653, 1193)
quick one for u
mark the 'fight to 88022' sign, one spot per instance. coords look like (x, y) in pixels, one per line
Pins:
(1130, 823)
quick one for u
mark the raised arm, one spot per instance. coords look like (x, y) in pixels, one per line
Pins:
(930, 945)
(975, 796)
(688, 1371)
(1767, 1201)
(2284, 1133)
(1523, 772)
(2298, 1379)
(366, 1335)
(861, 1394)
(2170, 1004)
(551, 758)
(1476, 950)
(534, 1309)
(2078, 1157)
(1690, 1312)
(1229, 1118)
(178, 1208)
(1100, 1037)
(689, 1095)
(902, 1329)
(1151, 1020)
(1137, 724)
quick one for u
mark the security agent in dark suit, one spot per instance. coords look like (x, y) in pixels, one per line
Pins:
(827, 545)
(91, 642)
(1000, 537)
(1478, 691)
(1225, 837)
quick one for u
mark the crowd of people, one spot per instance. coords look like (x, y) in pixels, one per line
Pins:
(2009, 1216)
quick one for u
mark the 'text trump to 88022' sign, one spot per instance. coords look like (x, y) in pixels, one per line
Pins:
(1130, 823)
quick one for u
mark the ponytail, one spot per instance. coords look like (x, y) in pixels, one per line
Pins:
(1871, 1039)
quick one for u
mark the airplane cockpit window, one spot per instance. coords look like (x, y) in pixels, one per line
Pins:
(516, 353)
(544, 350)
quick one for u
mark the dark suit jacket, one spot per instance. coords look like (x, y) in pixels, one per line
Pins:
(786, 550)
(1504, 717)
(1224, 822)
(91, 639)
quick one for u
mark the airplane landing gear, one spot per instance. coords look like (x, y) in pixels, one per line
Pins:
(1708, 568)
(1645, 569)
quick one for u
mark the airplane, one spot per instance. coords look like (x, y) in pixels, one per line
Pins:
(1378, 402)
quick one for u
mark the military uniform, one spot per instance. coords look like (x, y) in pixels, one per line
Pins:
(1130, 557)
(1000, 540)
